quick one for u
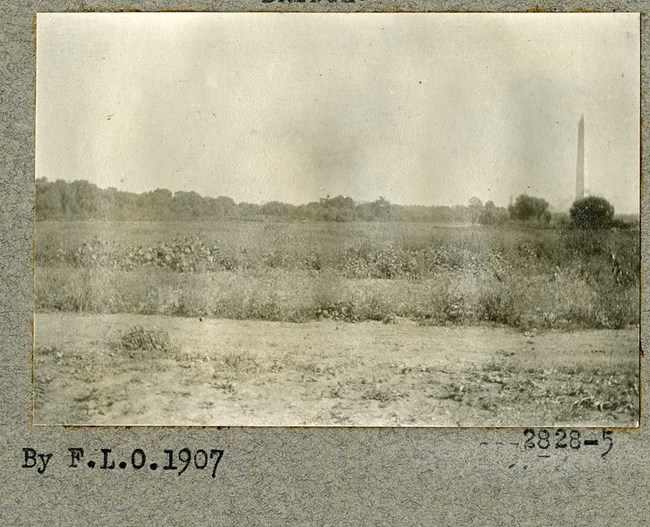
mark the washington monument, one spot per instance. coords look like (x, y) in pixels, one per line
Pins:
(580, 172)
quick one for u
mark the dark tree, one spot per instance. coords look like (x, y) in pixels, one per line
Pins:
(528, 208)
(592, 213)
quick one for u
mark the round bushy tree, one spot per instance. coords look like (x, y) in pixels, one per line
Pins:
(528, 208)
(592, 213)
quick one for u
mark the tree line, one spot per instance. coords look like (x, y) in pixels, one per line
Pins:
(81, 200)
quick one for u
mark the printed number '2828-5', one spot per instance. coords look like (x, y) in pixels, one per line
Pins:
(562, 438)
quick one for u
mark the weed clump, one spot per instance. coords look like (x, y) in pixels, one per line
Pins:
(139, 339)
(381, 394)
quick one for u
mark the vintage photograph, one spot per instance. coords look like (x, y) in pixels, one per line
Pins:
(274, 219)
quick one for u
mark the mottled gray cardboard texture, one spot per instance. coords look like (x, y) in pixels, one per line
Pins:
(280, 476)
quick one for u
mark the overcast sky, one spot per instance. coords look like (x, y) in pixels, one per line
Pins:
(422, 109)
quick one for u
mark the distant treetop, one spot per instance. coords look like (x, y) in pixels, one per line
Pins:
(592, 213)
(83, 200)
(528, 208)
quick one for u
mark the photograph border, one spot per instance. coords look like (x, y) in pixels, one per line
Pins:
(275, 475)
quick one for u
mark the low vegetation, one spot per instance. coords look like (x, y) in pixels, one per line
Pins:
(139, 339)
(512, 275)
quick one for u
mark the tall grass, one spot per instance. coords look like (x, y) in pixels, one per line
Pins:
(297, 272)
(296, 297)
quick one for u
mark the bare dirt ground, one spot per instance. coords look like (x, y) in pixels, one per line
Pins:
(228, 372)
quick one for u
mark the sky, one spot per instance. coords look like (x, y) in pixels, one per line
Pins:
(424, 109)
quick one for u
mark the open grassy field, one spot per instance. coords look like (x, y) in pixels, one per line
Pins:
(95, 369)
(521, 277)
(334, 324)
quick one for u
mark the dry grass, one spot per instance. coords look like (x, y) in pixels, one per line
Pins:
(351, 272)
(146, 341)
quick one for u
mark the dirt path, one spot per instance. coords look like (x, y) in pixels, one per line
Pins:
(227, 372)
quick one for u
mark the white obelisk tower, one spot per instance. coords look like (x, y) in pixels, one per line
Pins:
(580, 172)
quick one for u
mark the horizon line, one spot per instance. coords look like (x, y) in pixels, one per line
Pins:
(552, 207)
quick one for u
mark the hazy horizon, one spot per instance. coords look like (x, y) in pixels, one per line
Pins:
(423, 109)
(356, 201)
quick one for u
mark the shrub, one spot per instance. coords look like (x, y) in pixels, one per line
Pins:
(140, 339)
(528, 207)
(500, 305)
(592, 213)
